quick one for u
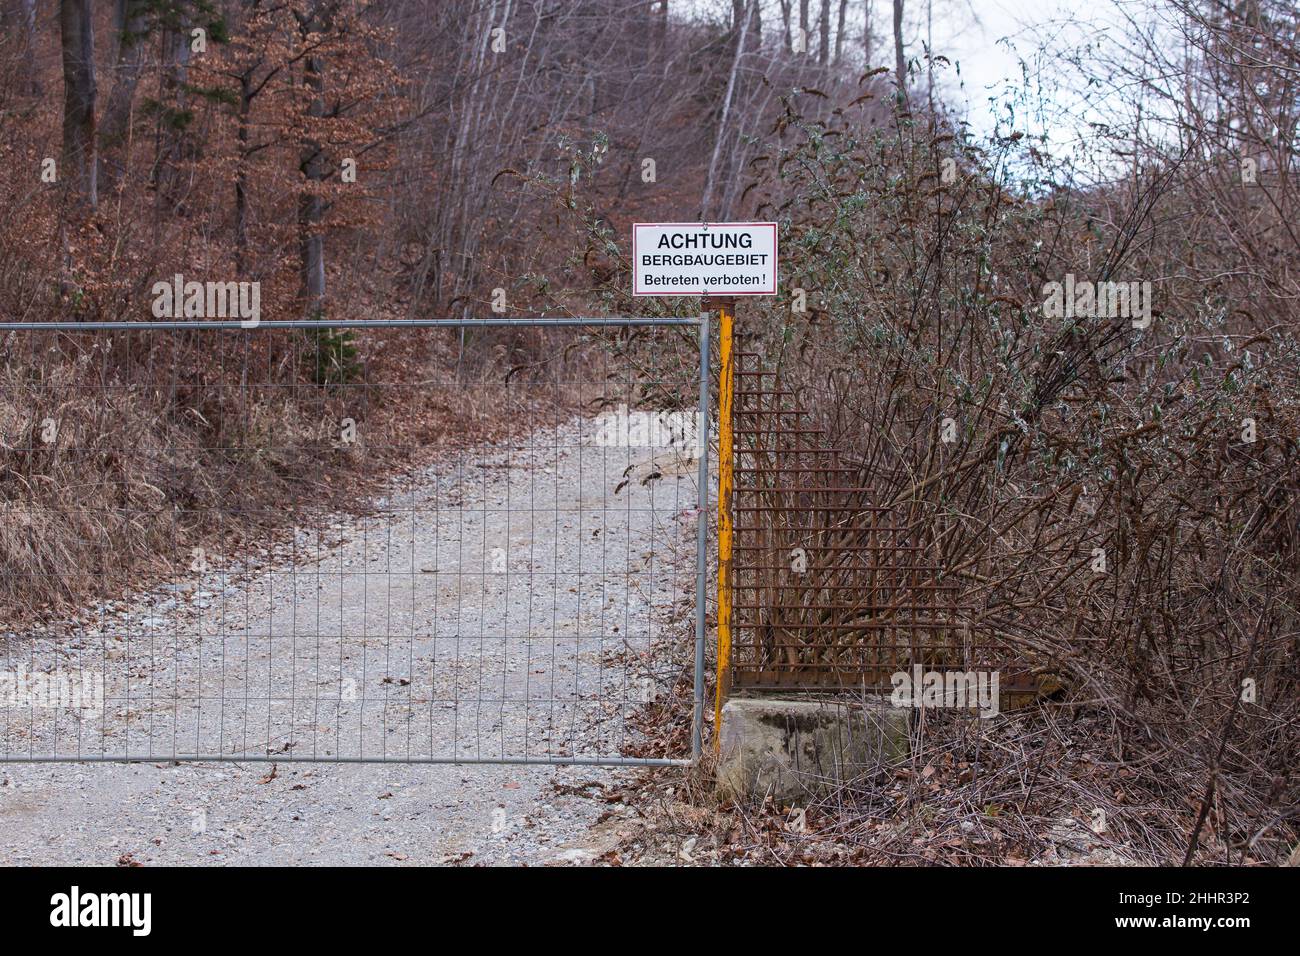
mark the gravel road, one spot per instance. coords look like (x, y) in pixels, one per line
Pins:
(513, 602)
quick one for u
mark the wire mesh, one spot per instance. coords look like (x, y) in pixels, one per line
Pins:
(831, 590)
(518, 592)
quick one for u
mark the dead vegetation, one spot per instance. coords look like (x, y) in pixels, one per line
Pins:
(125, 452)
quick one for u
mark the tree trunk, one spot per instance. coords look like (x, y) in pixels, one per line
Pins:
(839, 32)
(172, 145)
(929, 51)
(867, 38)
(311, 206)
(747, 18)
(132, 23)
(824, 33)
(241, 172)
(900, 64)
(78, 40)
(710, 181)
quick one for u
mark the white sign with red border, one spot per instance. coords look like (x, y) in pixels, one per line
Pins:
(704, 258)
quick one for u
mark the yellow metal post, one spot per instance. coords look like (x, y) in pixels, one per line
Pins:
(726, 395)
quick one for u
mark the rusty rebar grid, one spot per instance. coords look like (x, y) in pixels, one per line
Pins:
(832, 590)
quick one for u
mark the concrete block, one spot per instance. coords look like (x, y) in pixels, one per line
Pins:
(793, 749)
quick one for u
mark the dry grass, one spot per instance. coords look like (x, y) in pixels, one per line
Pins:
(161, 444)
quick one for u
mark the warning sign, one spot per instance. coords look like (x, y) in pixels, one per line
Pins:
(704, 258)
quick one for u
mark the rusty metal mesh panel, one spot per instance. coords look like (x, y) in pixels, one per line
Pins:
(831, 589)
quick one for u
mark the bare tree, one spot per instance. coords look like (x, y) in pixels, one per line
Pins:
(131, 21)
(710, 182)
(900, 63)
(824, 33)
(867, 39)
(172, 141)
(929, 53)
(839, 32)
(311, 205)
(78, 42)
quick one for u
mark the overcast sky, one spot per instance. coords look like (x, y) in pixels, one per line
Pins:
(986, 37)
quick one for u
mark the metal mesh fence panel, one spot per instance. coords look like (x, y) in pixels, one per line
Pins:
(416, 542)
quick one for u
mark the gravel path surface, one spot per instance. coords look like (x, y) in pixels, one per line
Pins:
(512, 603)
